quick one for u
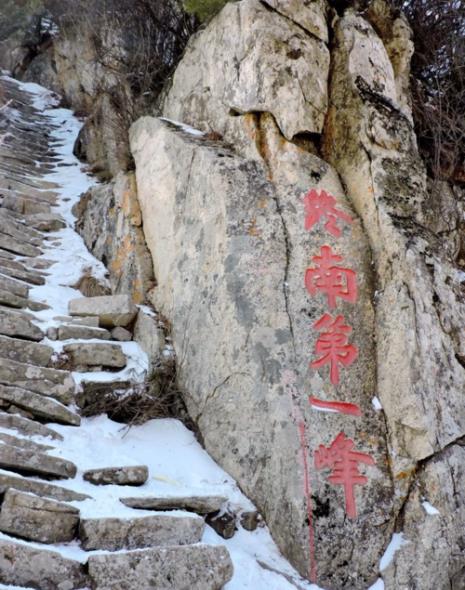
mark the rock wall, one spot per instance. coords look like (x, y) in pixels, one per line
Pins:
(109, 220)
(283, 111)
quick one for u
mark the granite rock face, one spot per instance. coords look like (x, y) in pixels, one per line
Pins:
(267, 63)
(230, 252)
(110, 223)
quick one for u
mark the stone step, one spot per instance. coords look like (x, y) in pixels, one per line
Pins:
(38, 519)
(27, 427)
(121, 334)
(23, 351)
(198, 504)
(49, 382)
(31, 462)
(132, 475)
(28, 276)
(24, 443)
(11, 300)
(199, 567)
(139, 532)
(13, 286)
(39, 488)
(39, 405)
(5, 255)
(17, 324)
(76, 332)
(23, 204)
(41, 569)
(27, 186)
(93, 354)
(112, 310)
(17, 246)
(17, 230)
(46, 222)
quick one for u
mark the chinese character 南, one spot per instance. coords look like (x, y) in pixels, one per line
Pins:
(333, 346)
(323, 206)
(330, 278)
(341, 458)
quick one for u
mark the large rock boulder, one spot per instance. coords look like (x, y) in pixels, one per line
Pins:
(110, 223)
(230, 251)
(419, 300)
(252, 59)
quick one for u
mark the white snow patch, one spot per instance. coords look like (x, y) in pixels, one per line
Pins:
(396, 543)
(378, 585)
(429, 508)
(376, 404)
(184, 127)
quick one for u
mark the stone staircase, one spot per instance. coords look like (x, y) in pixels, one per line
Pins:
(152, 542)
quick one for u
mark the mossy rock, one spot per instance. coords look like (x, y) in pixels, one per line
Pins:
(204, 9)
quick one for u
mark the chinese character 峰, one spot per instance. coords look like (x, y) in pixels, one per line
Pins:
(341, 458)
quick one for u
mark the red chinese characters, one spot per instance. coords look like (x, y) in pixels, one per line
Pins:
(330, 278)
(323, 206)
(343, 460)
(333, 345)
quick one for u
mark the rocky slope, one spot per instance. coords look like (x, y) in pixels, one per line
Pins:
(282, 143)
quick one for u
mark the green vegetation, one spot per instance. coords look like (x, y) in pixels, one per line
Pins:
(204, 9)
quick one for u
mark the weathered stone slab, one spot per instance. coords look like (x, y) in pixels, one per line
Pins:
(131, 475)
(23, 204)
(24, 443)
(198, 504)
(11, 300)
(39, 488)
(201, 567)
(139, 532)
(112, 310)
(41, 569)
(67, 332)
(35, 463)
(18, 231)
(121, 334)
(91, 321)
(28, 276)
(46, 222)
(15, 287)
(26, 426)
(18, 325)
(105, 355)
(22, 351)
(37, 519)
(39, 405)
(51, 382)
(18, 247)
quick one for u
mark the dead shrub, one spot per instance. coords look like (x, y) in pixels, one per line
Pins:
(438, 83)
